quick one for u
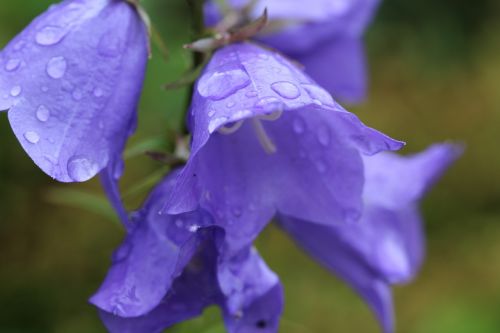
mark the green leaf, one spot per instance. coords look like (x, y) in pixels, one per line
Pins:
(144, 146)
(95, 203)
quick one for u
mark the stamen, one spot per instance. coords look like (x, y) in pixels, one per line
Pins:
(226, 130)
(272, 116)
(264, 139)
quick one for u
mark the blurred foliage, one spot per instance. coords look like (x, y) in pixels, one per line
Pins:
(435, 73)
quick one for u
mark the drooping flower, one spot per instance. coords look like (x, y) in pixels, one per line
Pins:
(324, 35)
(170, 268)
(71, 82)
(386, 246)
(267, 139)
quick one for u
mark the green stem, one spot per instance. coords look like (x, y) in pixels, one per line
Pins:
(197, 30)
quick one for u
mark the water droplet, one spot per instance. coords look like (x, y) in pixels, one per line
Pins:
(251, 94)
(179, 223)
(56, 67)
(263, 56)
(81, 168)
(77, 95)
(219, 85)
(44, 88)
(299, 125)
(110, 45)
(122, 252)
(237, 211)
(16, 91)
(50, 35)
(42, 113)
(323, 135)
(98, 92)
(269, 104)
(12, 65)
(286, 89)
(193, 228)
(230, 105)
(214, 124)
(32, 137)
(319, 95)
(19, 45)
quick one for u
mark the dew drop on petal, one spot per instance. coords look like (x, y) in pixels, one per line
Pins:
(77, 95)
(286, 89)
(270, 104)
(230, 105)
(122, 252)
(98, 92)
(50, 35)
(81, 168)
(42, 113)
(19, 45)
(219, 85)
(110, 45)
(237, 211)
(298, 125)
(318, 95)
(323, 135)
(56, 67)
(12, 65)
(16, 91)
(215, 123)
(32, 137)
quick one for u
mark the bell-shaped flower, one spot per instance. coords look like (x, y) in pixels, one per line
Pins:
(387, 245)
(170, 268)
(267, 139)
(71, 82)
(326, 36)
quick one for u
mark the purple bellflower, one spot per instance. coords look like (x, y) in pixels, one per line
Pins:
(170, 268)
(387, 245)
(267, 139)
(71, 82)
(324, 35)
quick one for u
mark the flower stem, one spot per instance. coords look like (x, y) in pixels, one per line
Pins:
(197, 30)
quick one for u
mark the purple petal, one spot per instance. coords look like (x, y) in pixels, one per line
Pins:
(261, 316)
(339, 67)
(254, 289)
(316, 172)
(325, 36)
(325, 244)
(188, 296)
(153, 254)
(72, 81)
(393, 180)
(386, 246)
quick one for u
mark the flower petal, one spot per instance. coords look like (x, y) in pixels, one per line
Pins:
(346, 63)
(393, 181)
(316, 172)
(153, 254)
(326, 245)
(72, 81)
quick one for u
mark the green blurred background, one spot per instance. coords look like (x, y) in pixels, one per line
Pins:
(435, 75)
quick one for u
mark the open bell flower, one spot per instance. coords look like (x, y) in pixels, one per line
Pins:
(326, 36)
(71, 82)
(170, 268)
(387, 245)
(267, 139)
